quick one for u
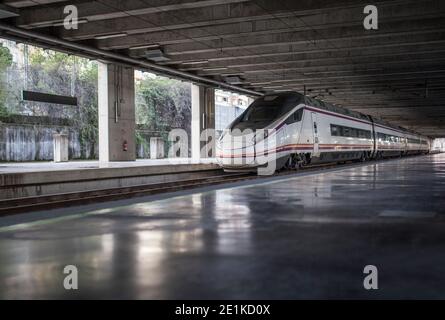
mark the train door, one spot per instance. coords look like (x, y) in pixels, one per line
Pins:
(374, 137)
(316, 152)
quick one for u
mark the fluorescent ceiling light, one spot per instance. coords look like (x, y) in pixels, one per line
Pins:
(232, 74)
(288, 80)
(61, 23)
(195, 62)
(108, 36)
(272, 87)
(146, 46)
(215, 69)
(190, 69)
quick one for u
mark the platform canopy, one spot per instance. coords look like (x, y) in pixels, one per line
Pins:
(321, 47)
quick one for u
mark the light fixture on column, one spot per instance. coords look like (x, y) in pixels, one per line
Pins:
(156, 55)
(233, 80)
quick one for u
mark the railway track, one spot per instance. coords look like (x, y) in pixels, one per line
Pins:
(53, 201)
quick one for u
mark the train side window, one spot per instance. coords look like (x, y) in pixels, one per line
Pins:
(381, 136)
(355, 133)
(295, 117)
(298, 115)
(290, 119)
(340, 131)
(351, 132)
(364, 134)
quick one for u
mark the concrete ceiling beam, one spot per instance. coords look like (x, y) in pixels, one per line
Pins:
(109, 9)
(325, 20)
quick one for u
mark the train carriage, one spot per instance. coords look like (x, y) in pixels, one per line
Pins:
(291, 130)
(390, 141)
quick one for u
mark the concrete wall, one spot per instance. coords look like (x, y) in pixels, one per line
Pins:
(35, 142)
(22, 142)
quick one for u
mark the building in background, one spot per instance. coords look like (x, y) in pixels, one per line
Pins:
(228, 106)
(439, 145)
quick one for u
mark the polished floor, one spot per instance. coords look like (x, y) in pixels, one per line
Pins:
(309, 236)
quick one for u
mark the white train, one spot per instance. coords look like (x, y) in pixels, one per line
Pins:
(291, 130)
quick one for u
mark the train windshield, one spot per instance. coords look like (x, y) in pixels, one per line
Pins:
(263, 111)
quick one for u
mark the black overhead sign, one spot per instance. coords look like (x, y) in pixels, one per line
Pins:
(48, 98)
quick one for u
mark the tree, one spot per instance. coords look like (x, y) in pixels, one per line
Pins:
(60, 73)
(162, 104)
(5, 63)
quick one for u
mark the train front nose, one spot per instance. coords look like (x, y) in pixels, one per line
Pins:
(236, 150)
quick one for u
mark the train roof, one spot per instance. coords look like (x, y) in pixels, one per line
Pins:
(333, 108)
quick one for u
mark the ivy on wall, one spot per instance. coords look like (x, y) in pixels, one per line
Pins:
(5, 62)
(162, 104)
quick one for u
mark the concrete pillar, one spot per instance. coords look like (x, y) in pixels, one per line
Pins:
(60, 147)
(117, 124)
(203, 117)
(156, 148)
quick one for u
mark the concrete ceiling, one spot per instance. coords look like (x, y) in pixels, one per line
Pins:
(396, 72)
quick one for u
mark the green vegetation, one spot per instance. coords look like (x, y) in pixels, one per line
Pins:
(57, 73)
(161, 103)
(5, 62)
(60, 73)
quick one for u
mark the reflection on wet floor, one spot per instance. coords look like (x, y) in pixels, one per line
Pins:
(304, 237)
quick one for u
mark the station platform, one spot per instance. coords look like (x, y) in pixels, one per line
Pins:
(47, 166)
(306, 236)
(19, 180)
